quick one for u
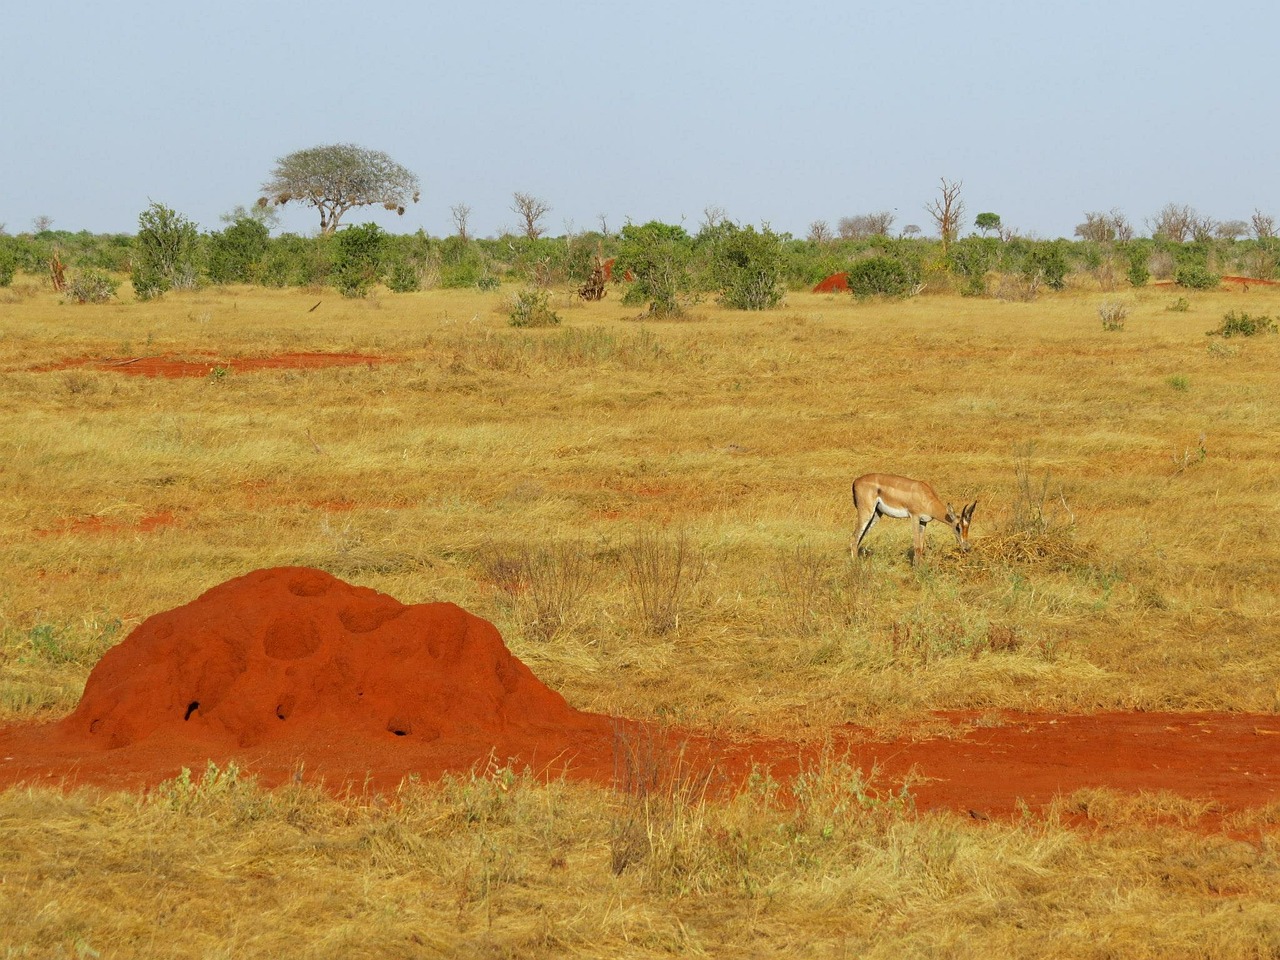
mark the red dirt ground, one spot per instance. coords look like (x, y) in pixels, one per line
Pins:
(167, 365)
(297, 676)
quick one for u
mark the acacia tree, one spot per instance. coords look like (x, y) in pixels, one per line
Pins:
(337, 177)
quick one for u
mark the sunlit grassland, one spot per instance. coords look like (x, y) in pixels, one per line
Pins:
(1140, 463)
(1126, 555)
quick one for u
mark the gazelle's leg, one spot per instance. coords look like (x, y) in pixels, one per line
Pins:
(917, 547)
(864, 527)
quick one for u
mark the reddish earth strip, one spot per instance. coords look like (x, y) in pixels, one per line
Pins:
(296, 675)
(168, 365)
(97, 524)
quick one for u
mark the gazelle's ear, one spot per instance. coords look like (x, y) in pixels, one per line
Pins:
(968, 511)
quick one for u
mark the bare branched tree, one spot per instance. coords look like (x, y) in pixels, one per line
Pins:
(865, 225)
(713, 216)
(1180, 223)
(530, 210)
(461, 214)
(1105, 227)
(603, 220)
(41, 223)
(1264, 225)
(948, 212)
(820, 232)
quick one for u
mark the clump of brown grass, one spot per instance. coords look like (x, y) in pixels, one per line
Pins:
(663, 570)
(547, 584)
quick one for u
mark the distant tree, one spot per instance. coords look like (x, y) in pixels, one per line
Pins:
(1180, 223)
(1100, 227)
(712, 216)
(603, 220)
(461, 214)
(41, 223)
(986, 222)
(267, 216)
(338, 177)
(1263, 225)
(911, 230)
(947, 212)
(1231, 230)
(164, 253)
(820, 233)
(865, 225)
(530, 210)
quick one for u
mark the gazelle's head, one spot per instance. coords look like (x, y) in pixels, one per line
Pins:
(960, 524)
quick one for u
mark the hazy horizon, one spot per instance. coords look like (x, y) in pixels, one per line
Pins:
(777, 115)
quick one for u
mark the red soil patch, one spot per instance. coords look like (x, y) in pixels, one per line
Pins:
(167, 365)
(291, 673)
(96, 524)
(836, 283)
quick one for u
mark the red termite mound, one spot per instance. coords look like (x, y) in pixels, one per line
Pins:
(836, 283)
(291, 652)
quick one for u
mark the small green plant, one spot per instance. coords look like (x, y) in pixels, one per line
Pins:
(219, 373)
(1240, 324)
(531, 308)
(1113, 314)
(405, 276)
(879, 277)
(1190, 457)
(1193, 276)
(92, 286)
(1181, 305)
(487, 282)
(1179, 382)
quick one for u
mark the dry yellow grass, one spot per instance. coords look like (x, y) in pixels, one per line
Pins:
(1126, 556)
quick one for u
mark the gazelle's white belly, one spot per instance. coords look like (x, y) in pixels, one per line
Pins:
(900, 512)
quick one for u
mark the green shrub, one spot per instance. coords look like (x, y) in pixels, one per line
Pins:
(659, 256)
(165, 253)
(91, 286)
(745, 266)
(1195, 276)
(1045, 263)
(236, 252)
(530, 308)
(879, 277)
(1241, 324)
(357, 259)
(1181, 305)
(8, 262)
(1138, 273)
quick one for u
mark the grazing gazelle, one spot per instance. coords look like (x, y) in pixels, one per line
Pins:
(902, 497)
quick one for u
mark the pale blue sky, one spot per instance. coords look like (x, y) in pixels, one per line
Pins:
(777, 113)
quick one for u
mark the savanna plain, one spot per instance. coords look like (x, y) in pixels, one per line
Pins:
(656, 515)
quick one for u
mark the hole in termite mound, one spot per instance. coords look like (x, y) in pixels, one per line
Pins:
(192, 707)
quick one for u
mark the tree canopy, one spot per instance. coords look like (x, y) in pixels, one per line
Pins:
(337, 177)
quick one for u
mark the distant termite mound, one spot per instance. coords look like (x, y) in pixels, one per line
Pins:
(292, 651)
(836, 283)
